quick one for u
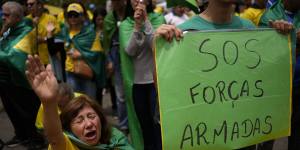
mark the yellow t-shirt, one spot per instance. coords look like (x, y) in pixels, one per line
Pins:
(253, 14)
(69, 144)
(96, 47)
(42, 32)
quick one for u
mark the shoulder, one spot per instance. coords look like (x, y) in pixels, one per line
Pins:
(109, 16)
(156, 19)
(191, 24)
(244, 23)
(119, 140)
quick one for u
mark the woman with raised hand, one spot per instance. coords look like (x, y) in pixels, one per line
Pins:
(136, 34)
(81, 124)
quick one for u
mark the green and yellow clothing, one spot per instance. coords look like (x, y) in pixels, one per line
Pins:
(96, 47)
(87, 42)
(118, 141)
(69, 60)
(15, 44)
(198, 23)
(42, 32)
(61, 19)
(253, 14)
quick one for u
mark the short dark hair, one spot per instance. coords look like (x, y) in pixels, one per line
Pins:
(99, 11)
(71, 110)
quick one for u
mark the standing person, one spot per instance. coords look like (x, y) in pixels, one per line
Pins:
(20, 102)
(136, 33)
(111, 43)
(288, 11)
(40, 19)
(98, 20)
(81, 124)
(85, 55)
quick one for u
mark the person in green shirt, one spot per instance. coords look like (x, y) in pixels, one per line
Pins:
(218, 15)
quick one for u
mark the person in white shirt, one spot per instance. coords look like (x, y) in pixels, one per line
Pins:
(177, 16)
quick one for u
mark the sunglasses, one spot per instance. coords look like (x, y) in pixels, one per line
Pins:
(73, 15)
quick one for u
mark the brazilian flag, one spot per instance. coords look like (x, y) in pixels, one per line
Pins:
(83, 42)
(15, 44)
(126, 30)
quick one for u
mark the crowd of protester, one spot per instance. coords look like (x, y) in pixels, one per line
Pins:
(54, 69)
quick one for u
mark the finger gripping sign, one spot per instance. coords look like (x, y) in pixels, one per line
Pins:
(224, 90)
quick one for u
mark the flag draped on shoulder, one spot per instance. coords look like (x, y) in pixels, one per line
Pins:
(87, 43)
(126, 30)
(117, 141)
(15, 44)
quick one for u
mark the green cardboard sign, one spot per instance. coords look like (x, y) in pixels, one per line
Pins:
(224, 90)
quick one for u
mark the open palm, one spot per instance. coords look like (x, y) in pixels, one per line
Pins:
(42, 80)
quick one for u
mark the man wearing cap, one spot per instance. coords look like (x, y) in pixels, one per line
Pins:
(40, 20)
(85, 55)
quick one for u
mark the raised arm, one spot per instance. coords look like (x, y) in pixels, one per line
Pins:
(43, 82)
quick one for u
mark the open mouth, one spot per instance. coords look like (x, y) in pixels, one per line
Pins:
(90, 134)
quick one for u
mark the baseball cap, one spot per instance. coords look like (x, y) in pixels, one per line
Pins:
(75, 7)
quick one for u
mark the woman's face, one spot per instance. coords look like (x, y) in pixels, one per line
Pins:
(86, 126)
(99, 21)
(74, 19)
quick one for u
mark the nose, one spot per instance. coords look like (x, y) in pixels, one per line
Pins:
(88, 123)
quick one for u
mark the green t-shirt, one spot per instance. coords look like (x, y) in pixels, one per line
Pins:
(198, 23)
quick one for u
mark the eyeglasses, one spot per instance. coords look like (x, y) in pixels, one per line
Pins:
(30, 4)
(73, 15)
